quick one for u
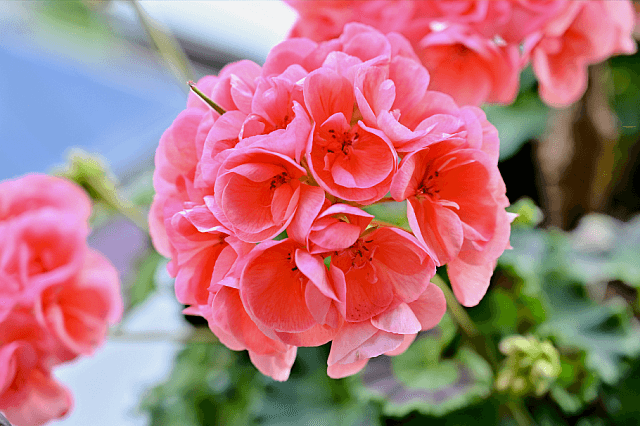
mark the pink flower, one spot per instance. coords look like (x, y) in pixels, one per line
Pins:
(381, 267)
(58, 296)
(472, 47)
(390, 332)
(447, 210)
(583, 33)
(304, 143)
(287, 291)
(29, 395)
(256, 193)
(470, 67)
(78, 312)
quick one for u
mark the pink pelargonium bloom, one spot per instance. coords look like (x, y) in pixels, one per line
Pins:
(39, 249)
(256, 193)
(288, 294)
(35, 191)
(352, 162)
(176, 160)
(29, 395)
(337, 227)
(583, 33)
(230, 322)
(390, 332)
(78, 313)
(204, 253)
(383, 266)
(448, 211)
(469, 67)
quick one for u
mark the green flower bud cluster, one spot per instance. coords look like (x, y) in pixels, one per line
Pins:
(531, 366)
(91, 173)
(529, 215)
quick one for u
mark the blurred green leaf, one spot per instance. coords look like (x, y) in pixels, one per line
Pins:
(577, 385)
(605, 249)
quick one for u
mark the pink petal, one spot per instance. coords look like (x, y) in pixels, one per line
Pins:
(313, 267)
(408, 340)
(350, 337)
(399, 320)
(430, 307)
(469, 282)
(277, 366)
(338, 371)
(437, 227)
(327, 93)
(311, 201)
(272, 289)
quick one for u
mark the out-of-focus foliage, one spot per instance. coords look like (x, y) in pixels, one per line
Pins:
(211, 385)
(424, 380)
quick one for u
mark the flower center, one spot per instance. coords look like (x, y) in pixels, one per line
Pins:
(361, 253)
(279, 180)
(428, 185)
(341, 141)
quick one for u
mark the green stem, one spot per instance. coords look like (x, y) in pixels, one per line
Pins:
(520, 413)
(123, 207)
(481, 342)
(457, 311)
(167, 46)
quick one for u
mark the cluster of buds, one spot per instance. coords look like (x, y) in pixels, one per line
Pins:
(531, 366)
(261, 184)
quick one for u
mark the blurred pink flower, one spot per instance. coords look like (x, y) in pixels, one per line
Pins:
(58, 296)
(473, 48)
(584, 33)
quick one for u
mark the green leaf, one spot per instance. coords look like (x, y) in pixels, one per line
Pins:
(577, 385)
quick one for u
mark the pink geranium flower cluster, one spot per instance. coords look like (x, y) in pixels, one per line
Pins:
(57, 296)
(475, 49)
(301, 145)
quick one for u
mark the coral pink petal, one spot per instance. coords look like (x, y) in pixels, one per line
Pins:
(436, 226)
(45, 400)
(277, 366)
(229, 315)
(366, 299)
(316, 336)
(272, 290)
(327, 93)
(469, 282)
(311, 201)
(312, 266)
(338, 371)
(350, 337)
(408, 340)
(399, 320)
(430, 307)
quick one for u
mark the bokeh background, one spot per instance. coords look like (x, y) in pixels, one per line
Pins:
(110, 76)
